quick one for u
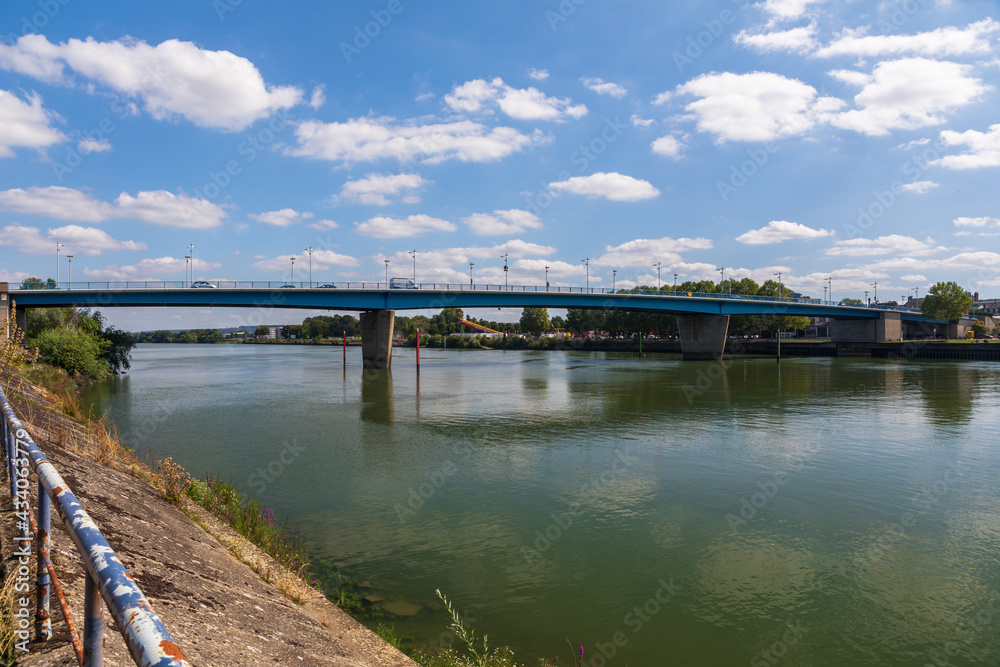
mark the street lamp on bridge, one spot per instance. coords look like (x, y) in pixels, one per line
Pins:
(414, 253)
(722, 280)
(58, 245)
(675, 282)
(829, 282)
(190, 256)
(875, 294)
(310, 251)
(546, 277)
(587, 262)
(292, 280)
(504, 270)
(187, 267)
(614, 275)
(70, 258)
(386, 270)
(657, 267)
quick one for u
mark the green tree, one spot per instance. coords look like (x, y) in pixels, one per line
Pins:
(851, 302)
(263, 331)
(74, 350)
(535, 320)
(946, 301)
(40, 319)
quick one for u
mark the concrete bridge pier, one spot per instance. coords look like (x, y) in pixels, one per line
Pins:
(376, 338)
(888, 327)
(703, 337)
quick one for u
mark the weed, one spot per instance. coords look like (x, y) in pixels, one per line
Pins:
(174, 478)
(388, 633)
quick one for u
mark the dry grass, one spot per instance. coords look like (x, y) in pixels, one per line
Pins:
(7, 623)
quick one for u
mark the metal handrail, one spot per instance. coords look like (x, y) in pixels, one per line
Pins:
(149, 643)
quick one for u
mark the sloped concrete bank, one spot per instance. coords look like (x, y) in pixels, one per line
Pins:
(219, 611)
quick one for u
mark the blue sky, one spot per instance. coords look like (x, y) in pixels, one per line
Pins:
(854, 140)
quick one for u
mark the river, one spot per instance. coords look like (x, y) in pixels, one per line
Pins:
(820, 511)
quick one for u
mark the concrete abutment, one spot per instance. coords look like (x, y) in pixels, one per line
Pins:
(888, 327)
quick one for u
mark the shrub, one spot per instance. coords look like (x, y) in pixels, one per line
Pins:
(73, 350)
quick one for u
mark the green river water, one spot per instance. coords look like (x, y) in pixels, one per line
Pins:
(657, 512)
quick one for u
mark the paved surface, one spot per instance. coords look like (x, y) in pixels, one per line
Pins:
(219, 611)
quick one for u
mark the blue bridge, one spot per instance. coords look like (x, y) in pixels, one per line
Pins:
(703, 318)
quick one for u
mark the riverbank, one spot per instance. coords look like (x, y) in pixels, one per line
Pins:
(207, 583)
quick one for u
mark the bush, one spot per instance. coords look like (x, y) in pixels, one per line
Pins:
(73, 350)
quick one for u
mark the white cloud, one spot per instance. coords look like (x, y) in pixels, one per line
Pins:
(641, 122)
(91, 145)
(77, 240)
(479, 96)
(796, 40)
(669, 145)
(960, 262)
(613, 186)
(777, 231)
(56, 202)
(25, 124)
(759, 106)
(282, 218)
(323, 225)
(662, 98)
(215, 89)
(538, 74)
(165, 208)
(883, 245)
(158, 206)
(370, 139)
(322, 260)
(601, 87)
(646, 252)
(945, 41)
(375, 189)
(914, 278)
(984, 149)
(384, 227)
(512, 221)
(920, 187)
(910, 94)
(785, 10)
(158, 268)
(318, 97)
(977, 222)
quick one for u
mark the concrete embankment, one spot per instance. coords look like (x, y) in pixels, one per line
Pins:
(218, 609)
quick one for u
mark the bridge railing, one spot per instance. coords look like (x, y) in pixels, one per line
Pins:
(320, 285)
(106, 580)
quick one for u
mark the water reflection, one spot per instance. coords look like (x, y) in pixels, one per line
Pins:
(377, 404)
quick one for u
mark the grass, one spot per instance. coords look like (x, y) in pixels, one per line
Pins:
(8, 654)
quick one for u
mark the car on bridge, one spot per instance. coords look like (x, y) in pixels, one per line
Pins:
(402, 283)
(202, 283)
(327, 286)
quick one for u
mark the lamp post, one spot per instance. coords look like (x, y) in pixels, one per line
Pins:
(310, 251)
(504, 270)
(916, 293)
(546, 277)
(70, 258)
(386, 270)
(471, 264)
(722, 279)
(675, 282)
(191, 248)
(587, 262)
(58, 245)
(657, 267)
(866, 298)
(292, 280)
(187, 267)
(614, 278)
(824, 292)
(829, 282)
(414, 253)
(875, 293)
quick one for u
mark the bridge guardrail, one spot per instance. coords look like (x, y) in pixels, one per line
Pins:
(107, 582)
(321, 286)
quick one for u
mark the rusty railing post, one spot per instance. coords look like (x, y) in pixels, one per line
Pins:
(93, 624)
(43, 619)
